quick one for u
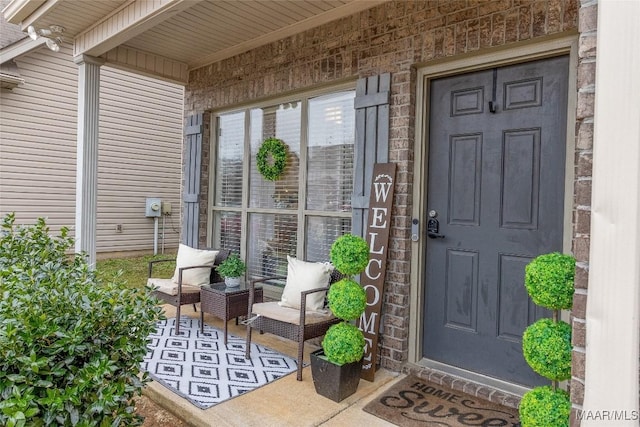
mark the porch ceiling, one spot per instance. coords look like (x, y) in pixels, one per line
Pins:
(185, 34)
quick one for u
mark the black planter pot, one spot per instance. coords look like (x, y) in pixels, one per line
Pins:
(333, 381)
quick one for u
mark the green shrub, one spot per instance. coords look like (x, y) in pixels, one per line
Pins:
(546, 346)
(545, 407)
(349, 254)
(71, 345)
(549, 280)
(343, 343)
(347, 299)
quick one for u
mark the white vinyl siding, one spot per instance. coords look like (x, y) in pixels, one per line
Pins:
(140, 151)
(139, 156)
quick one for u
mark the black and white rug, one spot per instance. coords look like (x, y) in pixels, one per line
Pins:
(200, 368)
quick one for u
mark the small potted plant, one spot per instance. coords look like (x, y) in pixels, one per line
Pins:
(336, 368)
(232, 269)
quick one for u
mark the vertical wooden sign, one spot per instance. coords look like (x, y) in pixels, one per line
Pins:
(378, 227)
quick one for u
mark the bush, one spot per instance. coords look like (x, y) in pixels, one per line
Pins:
(70, 345)
(347, 299)
(549, 280)
(545, 407)
(343, 343)
(546, 346)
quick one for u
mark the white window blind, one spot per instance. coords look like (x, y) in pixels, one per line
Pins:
(228, 228)
(229, 158)
(265, 226)
(320, 234)
(282, 122)
(273, 237)
(330, 152)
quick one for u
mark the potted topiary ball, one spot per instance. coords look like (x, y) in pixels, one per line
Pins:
(336, 368)
(549, 280)
(546, 344)
(232, 269)
(545, 407)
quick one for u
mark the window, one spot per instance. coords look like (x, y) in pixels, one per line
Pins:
(303, 212)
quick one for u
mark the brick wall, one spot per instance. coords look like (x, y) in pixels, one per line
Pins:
(392, 37)
(582, 193)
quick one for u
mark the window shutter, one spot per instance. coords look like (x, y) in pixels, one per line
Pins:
(372, 141)
(193, 157)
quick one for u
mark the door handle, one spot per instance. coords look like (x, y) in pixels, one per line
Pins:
(433, 227)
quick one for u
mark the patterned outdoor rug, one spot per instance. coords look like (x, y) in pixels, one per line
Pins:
(417, 402)
(201, 369)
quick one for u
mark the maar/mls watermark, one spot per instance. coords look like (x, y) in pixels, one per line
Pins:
(608, 415)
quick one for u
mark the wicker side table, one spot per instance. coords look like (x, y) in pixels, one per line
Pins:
(225, 303)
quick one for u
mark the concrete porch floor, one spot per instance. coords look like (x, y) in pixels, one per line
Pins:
(284, 402)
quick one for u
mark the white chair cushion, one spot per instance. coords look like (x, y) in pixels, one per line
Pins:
(169, 287)
(304, 276)
(188, 257)
(273, 310)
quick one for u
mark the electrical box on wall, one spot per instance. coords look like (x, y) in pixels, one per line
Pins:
(166, 208)
(153, 207)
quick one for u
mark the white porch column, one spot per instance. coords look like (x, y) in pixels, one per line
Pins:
(613, 304)
(87, 155)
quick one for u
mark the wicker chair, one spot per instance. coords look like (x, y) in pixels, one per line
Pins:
(296, 325)
(186, 294)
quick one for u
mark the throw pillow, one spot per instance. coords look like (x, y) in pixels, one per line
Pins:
(304, 276)
(188, 257)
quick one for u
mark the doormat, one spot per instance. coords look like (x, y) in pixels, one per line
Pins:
(200, 368)
(417, 402)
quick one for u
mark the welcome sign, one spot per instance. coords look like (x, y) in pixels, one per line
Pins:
(378, 226)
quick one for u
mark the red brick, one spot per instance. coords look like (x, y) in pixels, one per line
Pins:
(577, 388)
(570, 15)
(588, 18)
(587, 45)
(585, 107)
(579, 305)
(497, 29)
(581, 249)
(586, 74)
(574, 421)
(554, 16)
(488, 7)
(462, 15)
(582, 191)
(582, 220)
(485, 32)
(524, 23)
(451, 6)
(585, 136)
(584, 164)
(539, 16)
(578, 334)
(511, 26)
(581, 280)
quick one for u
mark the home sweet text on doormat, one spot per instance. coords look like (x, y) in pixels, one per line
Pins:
(417, 402)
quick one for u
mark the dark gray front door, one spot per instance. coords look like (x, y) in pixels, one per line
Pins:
(496, 185)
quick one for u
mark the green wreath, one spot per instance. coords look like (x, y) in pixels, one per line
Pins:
(272, 158)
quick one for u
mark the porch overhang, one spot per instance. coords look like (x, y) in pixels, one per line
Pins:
(164, 39)
(167, 38)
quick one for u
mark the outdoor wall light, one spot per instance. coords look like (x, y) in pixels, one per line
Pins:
(53, 35)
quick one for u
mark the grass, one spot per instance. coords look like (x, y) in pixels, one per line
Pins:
(135, 270)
